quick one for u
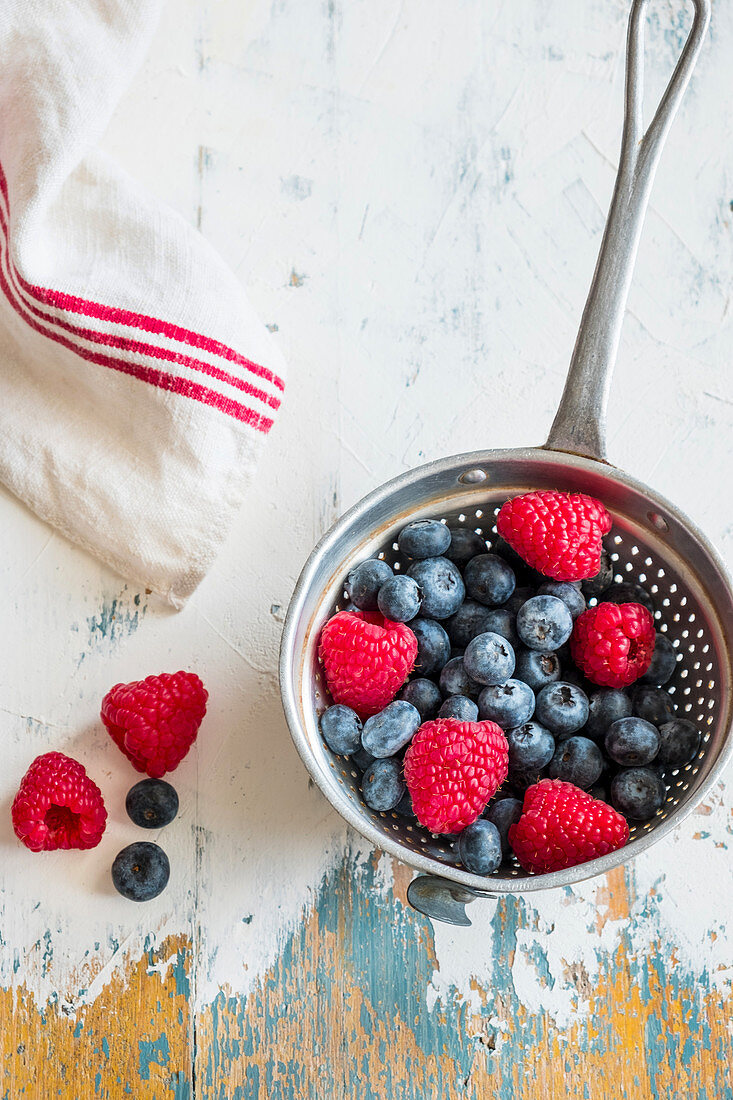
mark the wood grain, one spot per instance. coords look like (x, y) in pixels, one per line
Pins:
(134, 1039)
(344, 1013)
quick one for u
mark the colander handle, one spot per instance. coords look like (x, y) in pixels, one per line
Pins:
(442, 900)
(580, 424)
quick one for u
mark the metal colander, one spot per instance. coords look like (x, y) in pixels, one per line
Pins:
(651, 542)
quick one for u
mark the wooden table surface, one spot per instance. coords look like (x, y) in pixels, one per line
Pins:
(413, 193)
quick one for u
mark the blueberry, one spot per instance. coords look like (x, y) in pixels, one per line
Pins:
(341, 729)
(653, 704)
(518, 597)
(664, 659)
(530, 746)
(544, 623)
(443, 590)
(504, 813)
(382, 784)
(364, 582)
(399, 599)
(573, 675)
(606, 707)
(638, 793)
(627, 592)
(479, 847)
(152, 803)
(537, 669)
(489, 659)
(362, 759)
(424, 538)
(489, 579)
(424, 695)
(594, 586)
(433, 646)
(141, 871)
(522, 778)
(519, 566)
(465, 544)
(577, 760)
(454, 680)
(386, 733)
(601, 791)
(679, 741)
(569, 593)
(473, 618)
(509, 705)
(460, 707)
(632, 742)
(501, 621)
(404, 807)
(470, 620)
(562, 707)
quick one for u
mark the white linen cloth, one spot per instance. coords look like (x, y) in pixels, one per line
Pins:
(136, 384)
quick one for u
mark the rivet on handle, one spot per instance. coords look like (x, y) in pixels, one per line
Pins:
(473, 477)
(658, 521)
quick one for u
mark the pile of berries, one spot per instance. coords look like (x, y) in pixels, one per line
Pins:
(511, 699)
(153, 722)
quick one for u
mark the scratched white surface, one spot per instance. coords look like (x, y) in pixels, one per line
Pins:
(413, 193)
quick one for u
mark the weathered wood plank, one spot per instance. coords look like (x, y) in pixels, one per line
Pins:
(134, 1039)
(345, 1012)
(348, 1011)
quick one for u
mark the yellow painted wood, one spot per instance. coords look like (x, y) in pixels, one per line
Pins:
(134, 1039)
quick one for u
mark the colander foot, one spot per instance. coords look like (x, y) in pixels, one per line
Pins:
(442, 900)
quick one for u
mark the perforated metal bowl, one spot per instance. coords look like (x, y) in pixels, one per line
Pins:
(651, 542)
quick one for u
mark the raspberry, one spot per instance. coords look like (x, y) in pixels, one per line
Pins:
(562, 826)
(58, 806)
(154, 721)
(558, 534)
(613, 643)
(366, 659)
(452, 769)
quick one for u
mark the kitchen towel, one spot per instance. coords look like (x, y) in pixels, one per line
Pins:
(137, 386)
